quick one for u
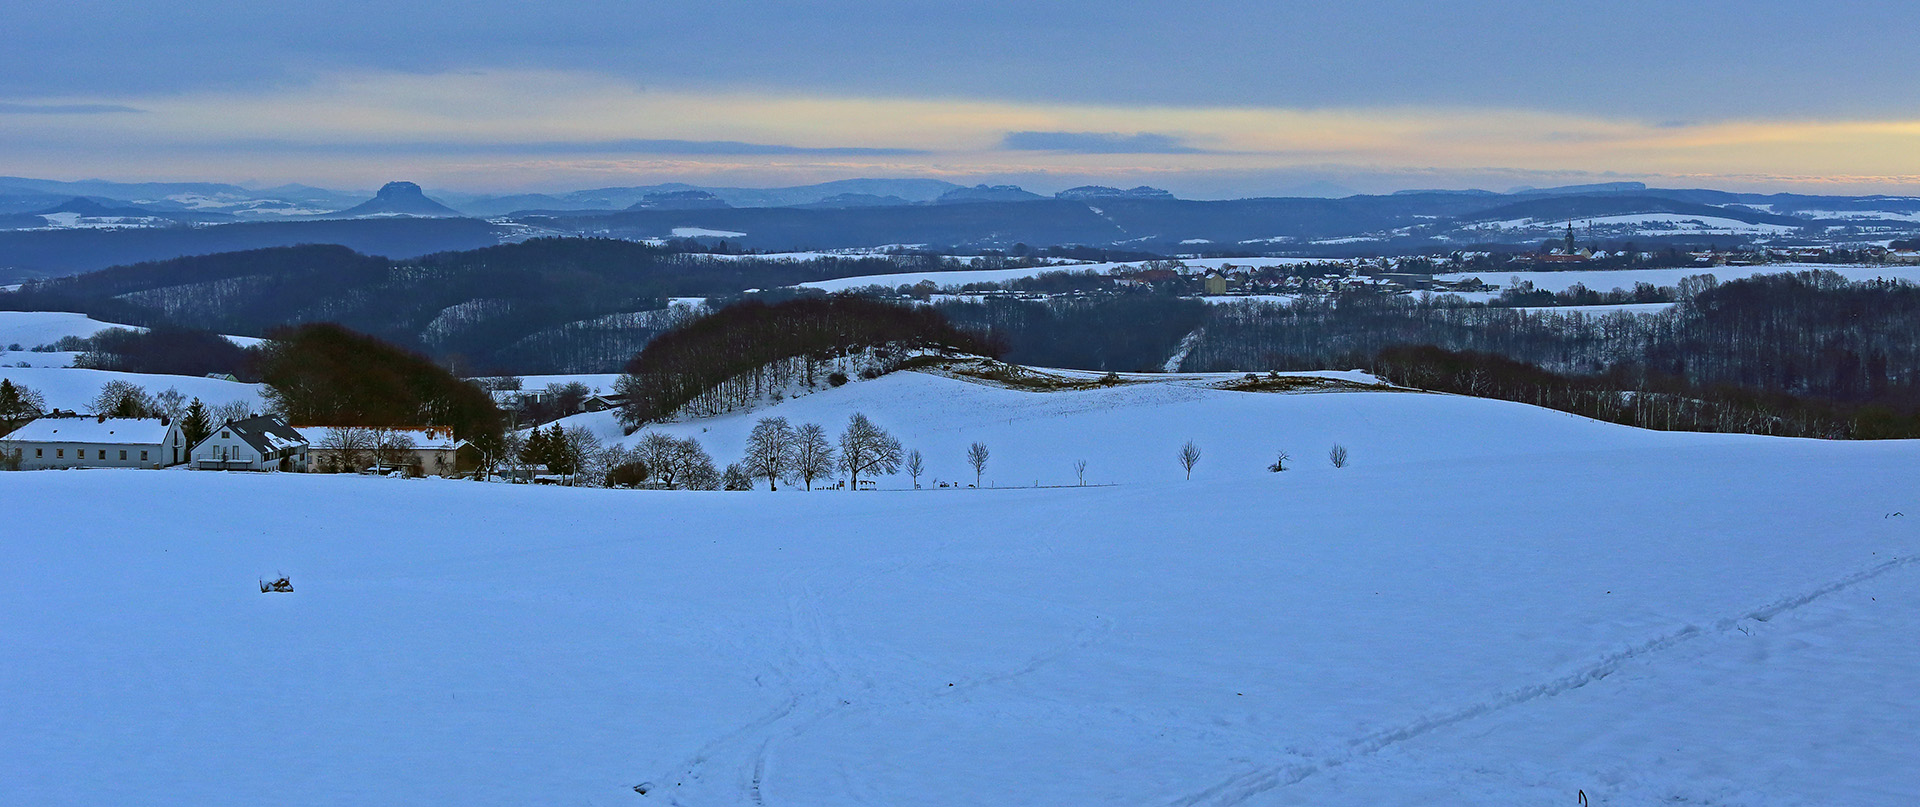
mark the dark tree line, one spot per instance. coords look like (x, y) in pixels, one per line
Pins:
(1129, 332)
(725, 360)
(326, 375)
(1810, 334)
(544, 305)
(168, 350)
(1664, 403)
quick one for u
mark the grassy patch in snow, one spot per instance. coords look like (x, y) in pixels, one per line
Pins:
(1253, 382)
(1013, 376)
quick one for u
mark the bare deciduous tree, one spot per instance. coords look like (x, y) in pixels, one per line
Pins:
(346, 448)
(694, 468)
(1280, 462)
(812, 454)
(770, 450)
(122, 399)
(169, 403)
(391, 449)
(1080, 471)
(1189, 457)
(18, 404)
(916, 465)
(977, 457)
(232, 411)
(659, 453)
(736, 478)
(867, 449)
(1337, 455)
(589, 458)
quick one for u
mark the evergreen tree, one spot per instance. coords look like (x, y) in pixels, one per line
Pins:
(195, 423)
(18, 405)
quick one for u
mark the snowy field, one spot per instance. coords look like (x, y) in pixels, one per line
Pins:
(1601, 310)
(1608, 280)
(965, 276)
(1650, 224)
(74, 389)
(958, 277)
(598, 382)
(31, 329)
(37, 358)
(1493, 605)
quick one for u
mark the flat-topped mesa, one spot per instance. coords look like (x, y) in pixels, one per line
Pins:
(399, 199)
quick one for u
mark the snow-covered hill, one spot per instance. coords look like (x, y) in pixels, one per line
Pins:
(1492, 604)
(1131, 433)
(1607, 280)
(31, 329)
(74, 389)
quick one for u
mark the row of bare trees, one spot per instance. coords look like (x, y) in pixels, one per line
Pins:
(351, 449)
(125, 399)
(777, 452)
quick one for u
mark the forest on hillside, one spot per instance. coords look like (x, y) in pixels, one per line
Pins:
(735, 356)
(541, 306)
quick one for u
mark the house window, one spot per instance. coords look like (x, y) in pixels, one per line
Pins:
(39, 452)
(60, 453)
(123, 454)
(103, 453)
(225, 436)
(143, 456)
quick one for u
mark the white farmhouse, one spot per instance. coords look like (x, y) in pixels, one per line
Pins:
(356, 449)
(260, 443)
(87, 441)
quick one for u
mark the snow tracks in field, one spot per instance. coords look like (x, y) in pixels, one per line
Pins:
(1241, 787)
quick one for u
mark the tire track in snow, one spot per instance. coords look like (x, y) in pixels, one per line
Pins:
(1240, 787)
(819, 690)
(808, 672)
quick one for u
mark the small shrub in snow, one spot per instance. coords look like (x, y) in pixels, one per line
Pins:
(1280, 462)
(282, 584)
(1337, 455)
(837, 379)
(1189, 457)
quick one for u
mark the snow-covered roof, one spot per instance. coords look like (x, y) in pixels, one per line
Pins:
(265, 433)
(416, 439)
(142, 431)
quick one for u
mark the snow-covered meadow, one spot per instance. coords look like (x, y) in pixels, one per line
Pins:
(32, 329)
(74, 389)
(1493, 604)
(1610, 279)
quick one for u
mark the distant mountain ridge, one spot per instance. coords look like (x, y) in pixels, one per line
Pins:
(1104, 192)
(42, 235)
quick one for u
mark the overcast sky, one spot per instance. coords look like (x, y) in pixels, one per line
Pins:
(1208, 99)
